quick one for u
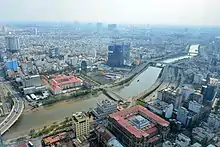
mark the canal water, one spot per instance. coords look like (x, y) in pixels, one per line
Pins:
(175, 59)
(59, 111)
(145, 80)
(140, 83)
(48, 115)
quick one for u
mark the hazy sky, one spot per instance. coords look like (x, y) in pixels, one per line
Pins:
(197, 12)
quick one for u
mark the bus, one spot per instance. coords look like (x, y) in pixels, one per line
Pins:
(28, 98)
(30, 144)
(33, 96)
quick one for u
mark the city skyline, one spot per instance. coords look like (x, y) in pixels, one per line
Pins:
(181, 12)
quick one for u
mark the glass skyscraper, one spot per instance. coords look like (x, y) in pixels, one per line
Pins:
(118, 54)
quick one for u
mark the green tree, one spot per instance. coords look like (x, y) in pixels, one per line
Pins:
(32, 132)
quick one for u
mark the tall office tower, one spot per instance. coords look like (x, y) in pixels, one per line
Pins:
(209, 92)
(118, 54)
(80, 124)
(99, 26)
(12, 44)
(95, 53)
(4, 30)
(54, 52)
(112, 27)
(84, 66)
(35, 31)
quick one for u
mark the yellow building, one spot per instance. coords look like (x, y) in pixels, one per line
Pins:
(81, 124)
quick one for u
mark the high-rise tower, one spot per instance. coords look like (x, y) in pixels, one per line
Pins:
(12, 44)
(118, 54)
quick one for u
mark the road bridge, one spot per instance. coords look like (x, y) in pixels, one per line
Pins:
(15, 113)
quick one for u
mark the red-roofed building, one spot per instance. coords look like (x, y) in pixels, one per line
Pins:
(138, 127)
(62, 82)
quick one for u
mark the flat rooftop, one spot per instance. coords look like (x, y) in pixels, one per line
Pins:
(139, 121)
(194, 49)
(105, 103)
(54, 139)
(79, 116)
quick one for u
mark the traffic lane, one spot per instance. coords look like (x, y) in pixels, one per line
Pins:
(7, 118)
(10, 116)
(10, 122)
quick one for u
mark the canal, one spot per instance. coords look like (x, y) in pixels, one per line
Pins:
(145, 80)
(47, 115)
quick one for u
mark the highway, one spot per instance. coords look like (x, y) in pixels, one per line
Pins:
(15, 113)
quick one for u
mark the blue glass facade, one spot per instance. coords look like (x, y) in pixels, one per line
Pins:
(118, 55)
(12, 65)
(208, 92)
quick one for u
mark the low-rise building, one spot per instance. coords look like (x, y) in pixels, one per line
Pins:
(214, 122)
(202, 134)
(106, 138)
(167, 144)
(182, 140)
(53, 140)
(137, 126)
(196, 145)
(81, 125)
(162, 108)
(32, 84)
(33, 80)
(211, 145)
(62, 82)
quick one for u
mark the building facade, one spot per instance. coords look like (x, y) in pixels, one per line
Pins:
(182, 115)
(118, 54)
(12, 44)
(208, 92)
(138, 127)
(171, 96)
(104, 108)
(183, 140)
(81, 124)
(214, 121)
(12, 65)
(195, 107)
(84, 66)
(162, 108)
(112, 27)
(54, 52)
(62, 82)
(30, 81)
(105, 138)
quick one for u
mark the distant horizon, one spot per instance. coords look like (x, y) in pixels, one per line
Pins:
(105, 23)
(167, 12)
